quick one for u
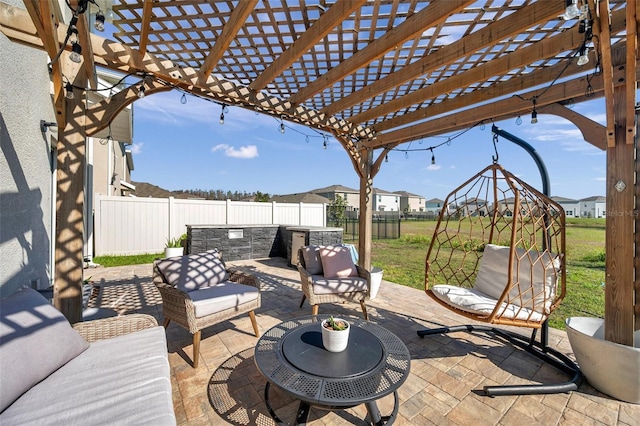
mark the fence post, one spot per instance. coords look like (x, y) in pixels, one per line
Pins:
(228, 212)
(273, 212)
(170, 206)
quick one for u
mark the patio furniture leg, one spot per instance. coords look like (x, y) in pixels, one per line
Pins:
(252, 315)
(304, 297)
(196, 348)
(314, 309)
(166, 322)
(364, 310)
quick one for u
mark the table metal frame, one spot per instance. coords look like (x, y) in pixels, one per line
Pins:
(333, 393)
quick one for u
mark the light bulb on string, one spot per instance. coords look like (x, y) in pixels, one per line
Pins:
(386, 158)
(76, 52)
(141, 90)
(433, 157)
(221, 121)
(406, 155)
(69, 88)
(306, 138)
(183, 99)
(518, 121)
(99, 24)
(534, 113)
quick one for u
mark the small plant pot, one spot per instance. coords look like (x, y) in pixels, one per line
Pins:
(173, 251)
(335, 340)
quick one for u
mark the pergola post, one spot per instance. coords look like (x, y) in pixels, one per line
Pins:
(67, 289)
(365, 222)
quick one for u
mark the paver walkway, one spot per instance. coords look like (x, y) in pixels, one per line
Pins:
(447, 372)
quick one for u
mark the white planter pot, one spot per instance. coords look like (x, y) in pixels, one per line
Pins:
(611, 368)
(335, 341)
(374, 284)
(173, 251)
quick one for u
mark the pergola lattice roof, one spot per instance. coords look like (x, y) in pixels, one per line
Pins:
(382, 65)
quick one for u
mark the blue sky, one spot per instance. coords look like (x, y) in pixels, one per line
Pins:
(183, 146)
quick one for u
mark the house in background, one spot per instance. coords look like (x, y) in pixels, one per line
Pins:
(411, 202)
(385, 201)
(350, 195)
(434, 206)
(109, 160)
(593, 207)
(571, 207)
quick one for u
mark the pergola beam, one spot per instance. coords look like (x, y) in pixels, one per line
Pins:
(236, 21)
(337, 13)
(433, 14)
(500, 110)
(145, 26)
(501, 29)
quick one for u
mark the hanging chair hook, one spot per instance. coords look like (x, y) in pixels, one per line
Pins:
(495, 148)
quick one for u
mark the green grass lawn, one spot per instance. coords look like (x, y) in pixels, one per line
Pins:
(403, 262)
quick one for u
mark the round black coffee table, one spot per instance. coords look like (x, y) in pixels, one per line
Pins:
(291, 356)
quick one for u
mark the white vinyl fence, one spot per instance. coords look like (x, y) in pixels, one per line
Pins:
(130, 225)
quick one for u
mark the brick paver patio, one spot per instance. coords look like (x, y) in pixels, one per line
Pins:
(447, 372)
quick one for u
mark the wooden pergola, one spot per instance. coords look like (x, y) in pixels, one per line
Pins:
(374, 74)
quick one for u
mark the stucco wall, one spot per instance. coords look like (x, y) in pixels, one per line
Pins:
(25, 173)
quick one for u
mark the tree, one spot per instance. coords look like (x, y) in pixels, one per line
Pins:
(262, 198)
(337, 209)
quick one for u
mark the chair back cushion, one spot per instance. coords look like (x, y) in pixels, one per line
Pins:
(311, 259)
(35, 340)
(337, 262)
(194, 271)
(534, 276)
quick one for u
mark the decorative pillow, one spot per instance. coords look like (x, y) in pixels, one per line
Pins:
(542, 267)
(194, 271)
(337, 262)
(312, 262)
(35, 340)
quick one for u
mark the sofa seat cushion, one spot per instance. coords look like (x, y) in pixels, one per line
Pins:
(322, 285)
(35, 340)
(194, 271)
(223, 296)
(124, 380)
(475, 302)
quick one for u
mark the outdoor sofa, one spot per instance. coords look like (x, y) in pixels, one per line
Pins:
(109, 371)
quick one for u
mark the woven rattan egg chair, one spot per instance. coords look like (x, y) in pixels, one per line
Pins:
(498, 256)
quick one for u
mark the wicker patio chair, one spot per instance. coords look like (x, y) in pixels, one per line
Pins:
(320, 289)
(178, 305)
(108, 328)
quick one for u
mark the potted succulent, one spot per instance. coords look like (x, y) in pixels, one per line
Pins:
(173, 247)
(335, 334)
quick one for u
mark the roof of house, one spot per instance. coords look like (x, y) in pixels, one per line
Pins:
(563, 199)
(304, 197)
(335, 188)
(407, 194)
(599, 198)
(383, 192)
(435, 200)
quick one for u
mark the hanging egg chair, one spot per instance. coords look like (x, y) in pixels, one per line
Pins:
(497, 256)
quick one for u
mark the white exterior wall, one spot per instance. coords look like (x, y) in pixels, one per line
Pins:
(386, 202)
(130, 225)
(592, 209)
(26, 184)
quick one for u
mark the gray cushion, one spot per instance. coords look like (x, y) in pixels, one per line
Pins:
(194, 271)
(322, 285)
(533, 281)
(119, 381)
(35, 340)
(223, 296)
(312, 262)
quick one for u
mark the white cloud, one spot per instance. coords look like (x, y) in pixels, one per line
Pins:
(136, 148)
(434, 167)
(248, 151)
